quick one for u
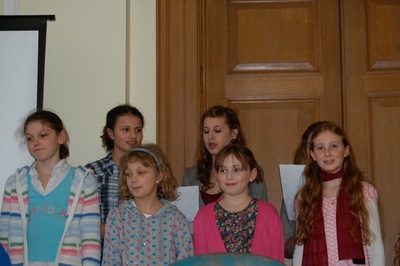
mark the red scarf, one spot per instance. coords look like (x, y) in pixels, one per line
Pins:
(349, 248)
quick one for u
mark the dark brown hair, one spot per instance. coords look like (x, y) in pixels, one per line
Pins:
(53, 121)
(205, 162)
(245, 157)
(111, 120)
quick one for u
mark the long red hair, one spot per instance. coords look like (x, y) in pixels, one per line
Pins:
(308, 196)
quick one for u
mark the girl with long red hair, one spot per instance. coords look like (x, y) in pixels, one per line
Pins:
(337, 211)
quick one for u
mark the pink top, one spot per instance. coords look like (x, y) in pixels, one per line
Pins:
(329, 212)
(268, 236)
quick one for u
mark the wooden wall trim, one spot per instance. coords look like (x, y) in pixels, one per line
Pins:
(178, 81)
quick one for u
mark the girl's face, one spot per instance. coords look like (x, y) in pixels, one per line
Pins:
(43, 142)
(127, 133)
(141, 180)
(329, 151)
(233, 179)
(217, 134)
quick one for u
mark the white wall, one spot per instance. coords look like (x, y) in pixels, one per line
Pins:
(18, 86)
(143, 62)
(86, 58)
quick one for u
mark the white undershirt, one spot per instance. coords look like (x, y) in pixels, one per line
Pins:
(60, 170)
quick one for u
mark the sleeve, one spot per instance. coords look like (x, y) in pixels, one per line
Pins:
(298, 255)
(4, 220)
(183, 239)
(289, 231)
(5, 215)
(91, 168)
(289, 227)
(199, 233)
(112, 244)
(298, 249)
(90, 223)
(275, 230)
(375, 250)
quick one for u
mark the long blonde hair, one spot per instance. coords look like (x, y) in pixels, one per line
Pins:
(150, 155)
(308, 196)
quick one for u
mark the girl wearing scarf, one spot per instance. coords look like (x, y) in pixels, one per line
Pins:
(337, 211)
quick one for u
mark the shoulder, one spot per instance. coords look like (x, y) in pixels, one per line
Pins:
(369, 191)
(21, 173)
(190, 176)
(168, 206)
(206, 210)
(258, 190)
(124, 208)
(103, 162)
(190, 171)
(171, 209)
(266, 205)
(114, 215)
(11, 182)
(85, 174)
(268, 208)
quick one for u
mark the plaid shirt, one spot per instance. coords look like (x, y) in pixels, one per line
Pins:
(106, 173)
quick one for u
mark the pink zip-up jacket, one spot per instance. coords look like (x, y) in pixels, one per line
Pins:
(268, 236)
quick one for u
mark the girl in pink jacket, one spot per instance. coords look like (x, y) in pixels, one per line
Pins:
(238, 223)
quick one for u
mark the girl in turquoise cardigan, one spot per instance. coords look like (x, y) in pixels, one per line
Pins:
(50, 210)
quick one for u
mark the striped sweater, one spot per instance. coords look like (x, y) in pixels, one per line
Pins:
(80, 242)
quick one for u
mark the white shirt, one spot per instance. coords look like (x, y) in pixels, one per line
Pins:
(60, 170)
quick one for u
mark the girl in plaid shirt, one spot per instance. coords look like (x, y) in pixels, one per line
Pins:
(123, 131)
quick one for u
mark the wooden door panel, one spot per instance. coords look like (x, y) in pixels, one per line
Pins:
(383, 163)
(252, 86)
(383, 34)
(268, 48)
(270, 61)
(272, 130)
(385, 168)
(272, 36)
(371, 86)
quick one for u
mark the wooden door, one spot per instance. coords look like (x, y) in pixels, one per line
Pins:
(282, 65)
(278, 64)
(371, 89)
